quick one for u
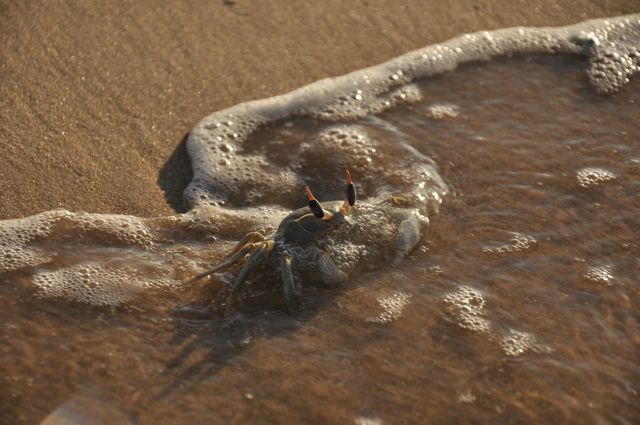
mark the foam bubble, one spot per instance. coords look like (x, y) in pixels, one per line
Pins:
(217, 144)
(340, 142)
(14, 257)
(368, 420)
(518, 242)
(370, 100)
(96, 284)
(442, 111)
(126, 229)
(467, 305)
(292, 157)
(217, 165)
(16, 234)
(613, 51)
(590, 176)
(466, 397)
(109, 259)
(600, 274)
(392, 307)
(516, 343)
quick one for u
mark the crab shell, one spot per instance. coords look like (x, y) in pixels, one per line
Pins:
(301, 226)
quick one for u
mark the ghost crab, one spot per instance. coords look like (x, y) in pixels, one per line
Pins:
(301, 229)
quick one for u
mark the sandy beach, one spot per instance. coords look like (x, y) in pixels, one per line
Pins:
(97, 98)
(486, 273)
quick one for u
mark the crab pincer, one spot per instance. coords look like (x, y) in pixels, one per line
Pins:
(351, 188)
(314, 205)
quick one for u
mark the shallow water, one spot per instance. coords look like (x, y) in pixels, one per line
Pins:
(520, 303)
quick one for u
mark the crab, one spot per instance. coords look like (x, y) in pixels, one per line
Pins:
(301, 235)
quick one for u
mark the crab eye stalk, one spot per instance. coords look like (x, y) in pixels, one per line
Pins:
(351, 188)
(314, 205)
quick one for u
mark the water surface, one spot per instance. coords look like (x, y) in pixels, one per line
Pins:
(520, 303)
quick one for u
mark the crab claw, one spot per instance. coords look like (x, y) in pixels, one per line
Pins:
(314, 205)
(351, 188)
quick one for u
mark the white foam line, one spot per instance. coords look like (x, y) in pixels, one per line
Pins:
(371, 89)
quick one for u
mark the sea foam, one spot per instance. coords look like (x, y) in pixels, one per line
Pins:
(222, 166)
(97, 258)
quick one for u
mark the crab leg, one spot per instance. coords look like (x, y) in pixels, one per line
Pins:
(331, 274)
(249, 237)
(292, 291)
(239, 255)
(261, 251)
(408, 236)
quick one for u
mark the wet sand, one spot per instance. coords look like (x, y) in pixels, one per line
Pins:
(520, 304)
(97, 98)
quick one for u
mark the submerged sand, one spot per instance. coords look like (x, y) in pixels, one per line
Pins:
(97, 99)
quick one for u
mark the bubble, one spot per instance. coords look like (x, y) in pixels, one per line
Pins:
(103, 259)
(518, 242)
(591, 177)
(14, 257)
(214, 176)
(342, 144)
(466, 397)
(442, 111)
(600, 274)
(126, 229)
(392, 307)
(613, 52)
(516, 343)
(96, 284)
(367, 420)
(16, 235)
(467, 305)
(224, 171)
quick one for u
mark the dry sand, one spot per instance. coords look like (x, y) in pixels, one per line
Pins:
(97, 97)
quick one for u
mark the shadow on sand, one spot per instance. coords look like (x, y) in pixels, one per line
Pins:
(175, 175)
(208, 341)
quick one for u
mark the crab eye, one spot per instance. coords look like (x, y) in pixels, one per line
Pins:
(314, 205)
(351, 188)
